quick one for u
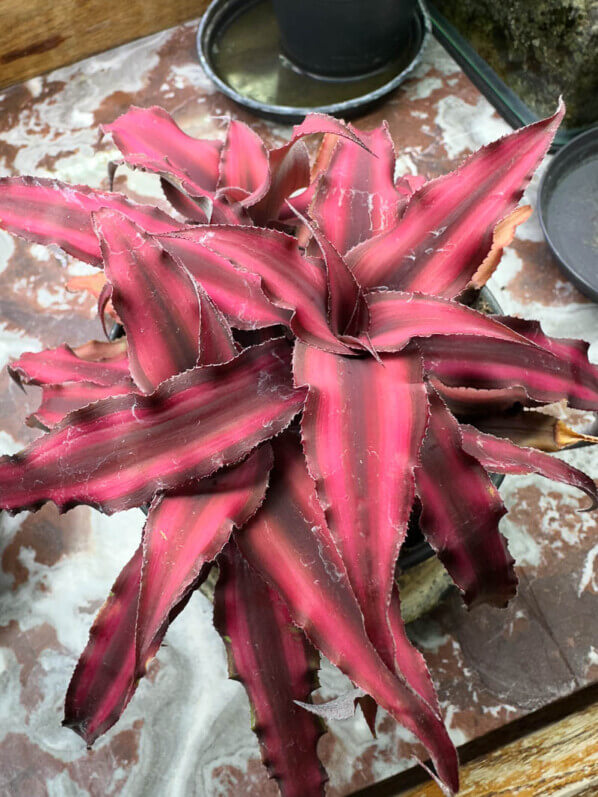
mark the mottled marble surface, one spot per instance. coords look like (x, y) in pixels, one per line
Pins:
(187, 730)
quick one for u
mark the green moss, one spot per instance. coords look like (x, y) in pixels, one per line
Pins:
(540, 48)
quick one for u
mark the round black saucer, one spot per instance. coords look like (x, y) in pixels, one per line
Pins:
(239, 48)
(568, 208)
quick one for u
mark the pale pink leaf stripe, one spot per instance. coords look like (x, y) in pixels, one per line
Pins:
(277, 666)
(500, 455)
(122, 450)
(461, 509)
(289, 544)
(50, 212)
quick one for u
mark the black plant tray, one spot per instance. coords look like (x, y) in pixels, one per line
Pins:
(568, 209)
(509, 105)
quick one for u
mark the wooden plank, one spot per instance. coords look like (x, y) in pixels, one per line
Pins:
(37, 36)
(561, 758)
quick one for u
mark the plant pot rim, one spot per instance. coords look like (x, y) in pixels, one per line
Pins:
(221, 12)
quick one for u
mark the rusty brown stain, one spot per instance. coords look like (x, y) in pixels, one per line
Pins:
(49, 161)
(50, 536)
(545, 283)
(33, 49)
(25, 768)
(15, 405)
(20, 311)
(18, 103)
(27, 645)
(234, 782)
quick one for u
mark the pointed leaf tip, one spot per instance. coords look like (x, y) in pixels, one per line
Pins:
(446, 230)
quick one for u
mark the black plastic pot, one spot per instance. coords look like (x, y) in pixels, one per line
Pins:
(239, 47)
(343, 38)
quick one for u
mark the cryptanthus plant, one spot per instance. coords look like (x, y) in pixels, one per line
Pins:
(298, 372)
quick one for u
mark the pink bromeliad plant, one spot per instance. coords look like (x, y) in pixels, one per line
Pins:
(291, 451)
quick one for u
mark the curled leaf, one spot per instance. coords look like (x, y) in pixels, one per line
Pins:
(461, 509)
(150, 139)
(100, 362)
(119, 452)
(244, 173)
(277, 666)
(50, 212)
(492, 364)
(502, 456)
(289, 544)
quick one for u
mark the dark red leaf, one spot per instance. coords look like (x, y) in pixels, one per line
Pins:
(355, 197)
(321, 124)
(183, 533)
(575, 352)
(502, 456)
(460, 513)
(150, 139)
(188, 207)
(362, 427)
(216, 343)
(277, 666)
(289, 545)
(409, 662)
(155, 298)
(292, 281)
(347, 310)
(73, 378)
(495, 364)
(59, 400)
(225, 212)
(101, 362)
(50, 212)
(244, 174)
(397, 317)
(119, 452)
(103, 681)
(238, 294)
(290, 166)
(289, 171)
(446, 231)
